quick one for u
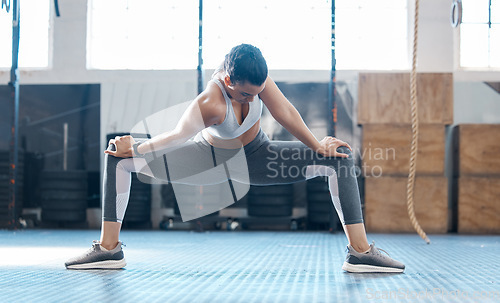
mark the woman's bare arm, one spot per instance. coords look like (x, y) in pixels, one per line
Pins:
(201, 113)
(287, 115)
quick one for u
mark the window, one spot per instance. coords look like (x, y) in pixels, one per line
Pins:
(143, 34)
(371, 35)
(34, 35)
(291, 34)
(480, 34)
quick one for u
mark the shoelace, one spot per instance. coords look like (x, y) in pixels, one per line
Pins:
(373, 243)
(91, 249)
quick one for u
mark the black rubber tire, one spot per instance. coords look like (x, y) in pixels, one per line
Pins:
(64, 215)
(63, 195)
(139, 204)
(66, 205)
(168, 196)
(64, 175)
(139, 198)
(4, 192)
(270, 211)
(270, 201)
(137, 213)
(319, 207)
(319, 218)
(63, 185)
(5, 155)
(177, 211)
(256, 201)
(5, 197)
(5, 177)
(271, 190)
(317, 187)
(176, 205)
(319, 196)
(5, 182)
(94, 189)
(320, 210)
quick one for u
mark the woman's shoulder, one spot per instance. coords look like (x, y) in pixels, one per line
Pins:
(211, 101)
(212, 93)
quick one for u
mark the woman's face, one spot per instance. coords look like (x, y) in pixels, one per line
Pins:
(244, 92)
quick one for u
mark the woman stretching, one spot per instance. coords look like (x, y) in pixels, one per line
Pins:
(230, 117)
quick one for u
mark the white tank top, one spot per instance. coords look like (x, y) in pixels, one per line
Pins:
(229, 128)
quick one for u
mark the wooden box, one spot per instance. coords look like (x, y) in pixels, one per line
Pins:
(386, 149)
(477, 148)
(385, 98)
(386, 207)
(478, 205)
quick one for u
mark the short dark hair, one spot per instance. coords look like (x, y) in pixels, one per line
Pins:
(246, 63)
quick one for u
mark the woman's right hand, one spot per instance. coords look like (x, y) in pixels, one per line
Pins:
(123, 147)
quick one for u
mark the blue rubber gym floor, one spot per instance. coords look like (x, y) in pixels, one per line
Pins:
(246, 266)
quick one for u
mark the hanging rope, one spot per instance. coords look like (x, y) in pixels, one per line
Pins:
(414, 128)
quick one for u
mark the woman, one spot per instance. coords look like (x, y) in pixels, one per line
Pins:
(230, 117)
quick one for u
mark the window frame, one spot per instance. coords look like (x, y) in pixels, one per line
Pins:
(458, 51)
(88, 54)
(410, 8)
(50, 46)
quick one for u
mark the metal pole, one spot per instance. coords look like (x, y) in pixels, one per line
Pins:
(201, 81)
(332, 91)
(14, 150)
(332, 105)
(65, 147)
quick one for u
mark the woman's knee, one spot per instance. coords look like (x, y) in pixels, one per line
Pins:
(349, 161)
(345, 166)
(319, 170)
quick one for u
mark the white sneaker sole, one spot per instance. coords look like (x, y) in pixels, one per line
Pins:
(109, 264)
(363, 268)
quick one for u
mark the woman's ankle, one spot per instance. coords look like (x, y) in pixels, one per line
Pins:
(110, 234)
(361, 248)
(109, 245)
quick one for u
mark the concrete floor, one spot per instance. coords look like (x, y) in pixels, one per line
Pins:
(246, 266)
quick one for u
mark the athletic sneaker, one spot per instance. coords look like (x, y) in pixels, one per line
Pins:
(98, 257)
(371, 262)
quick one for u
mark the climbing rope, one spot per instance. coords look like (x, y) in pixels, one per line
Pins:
(414, 127)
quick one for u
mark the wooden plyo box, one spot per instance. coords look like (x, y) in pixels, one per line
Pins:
(478, 150)
(385, 98)
(386, 208)
(478, 205)
(387, 147)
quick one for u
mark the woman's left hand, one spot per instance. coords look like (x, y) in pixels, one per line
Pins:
(328, 147)
(123, 146)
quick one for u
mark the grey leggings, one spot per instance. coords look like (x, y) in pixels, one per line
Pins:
(269, 162)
